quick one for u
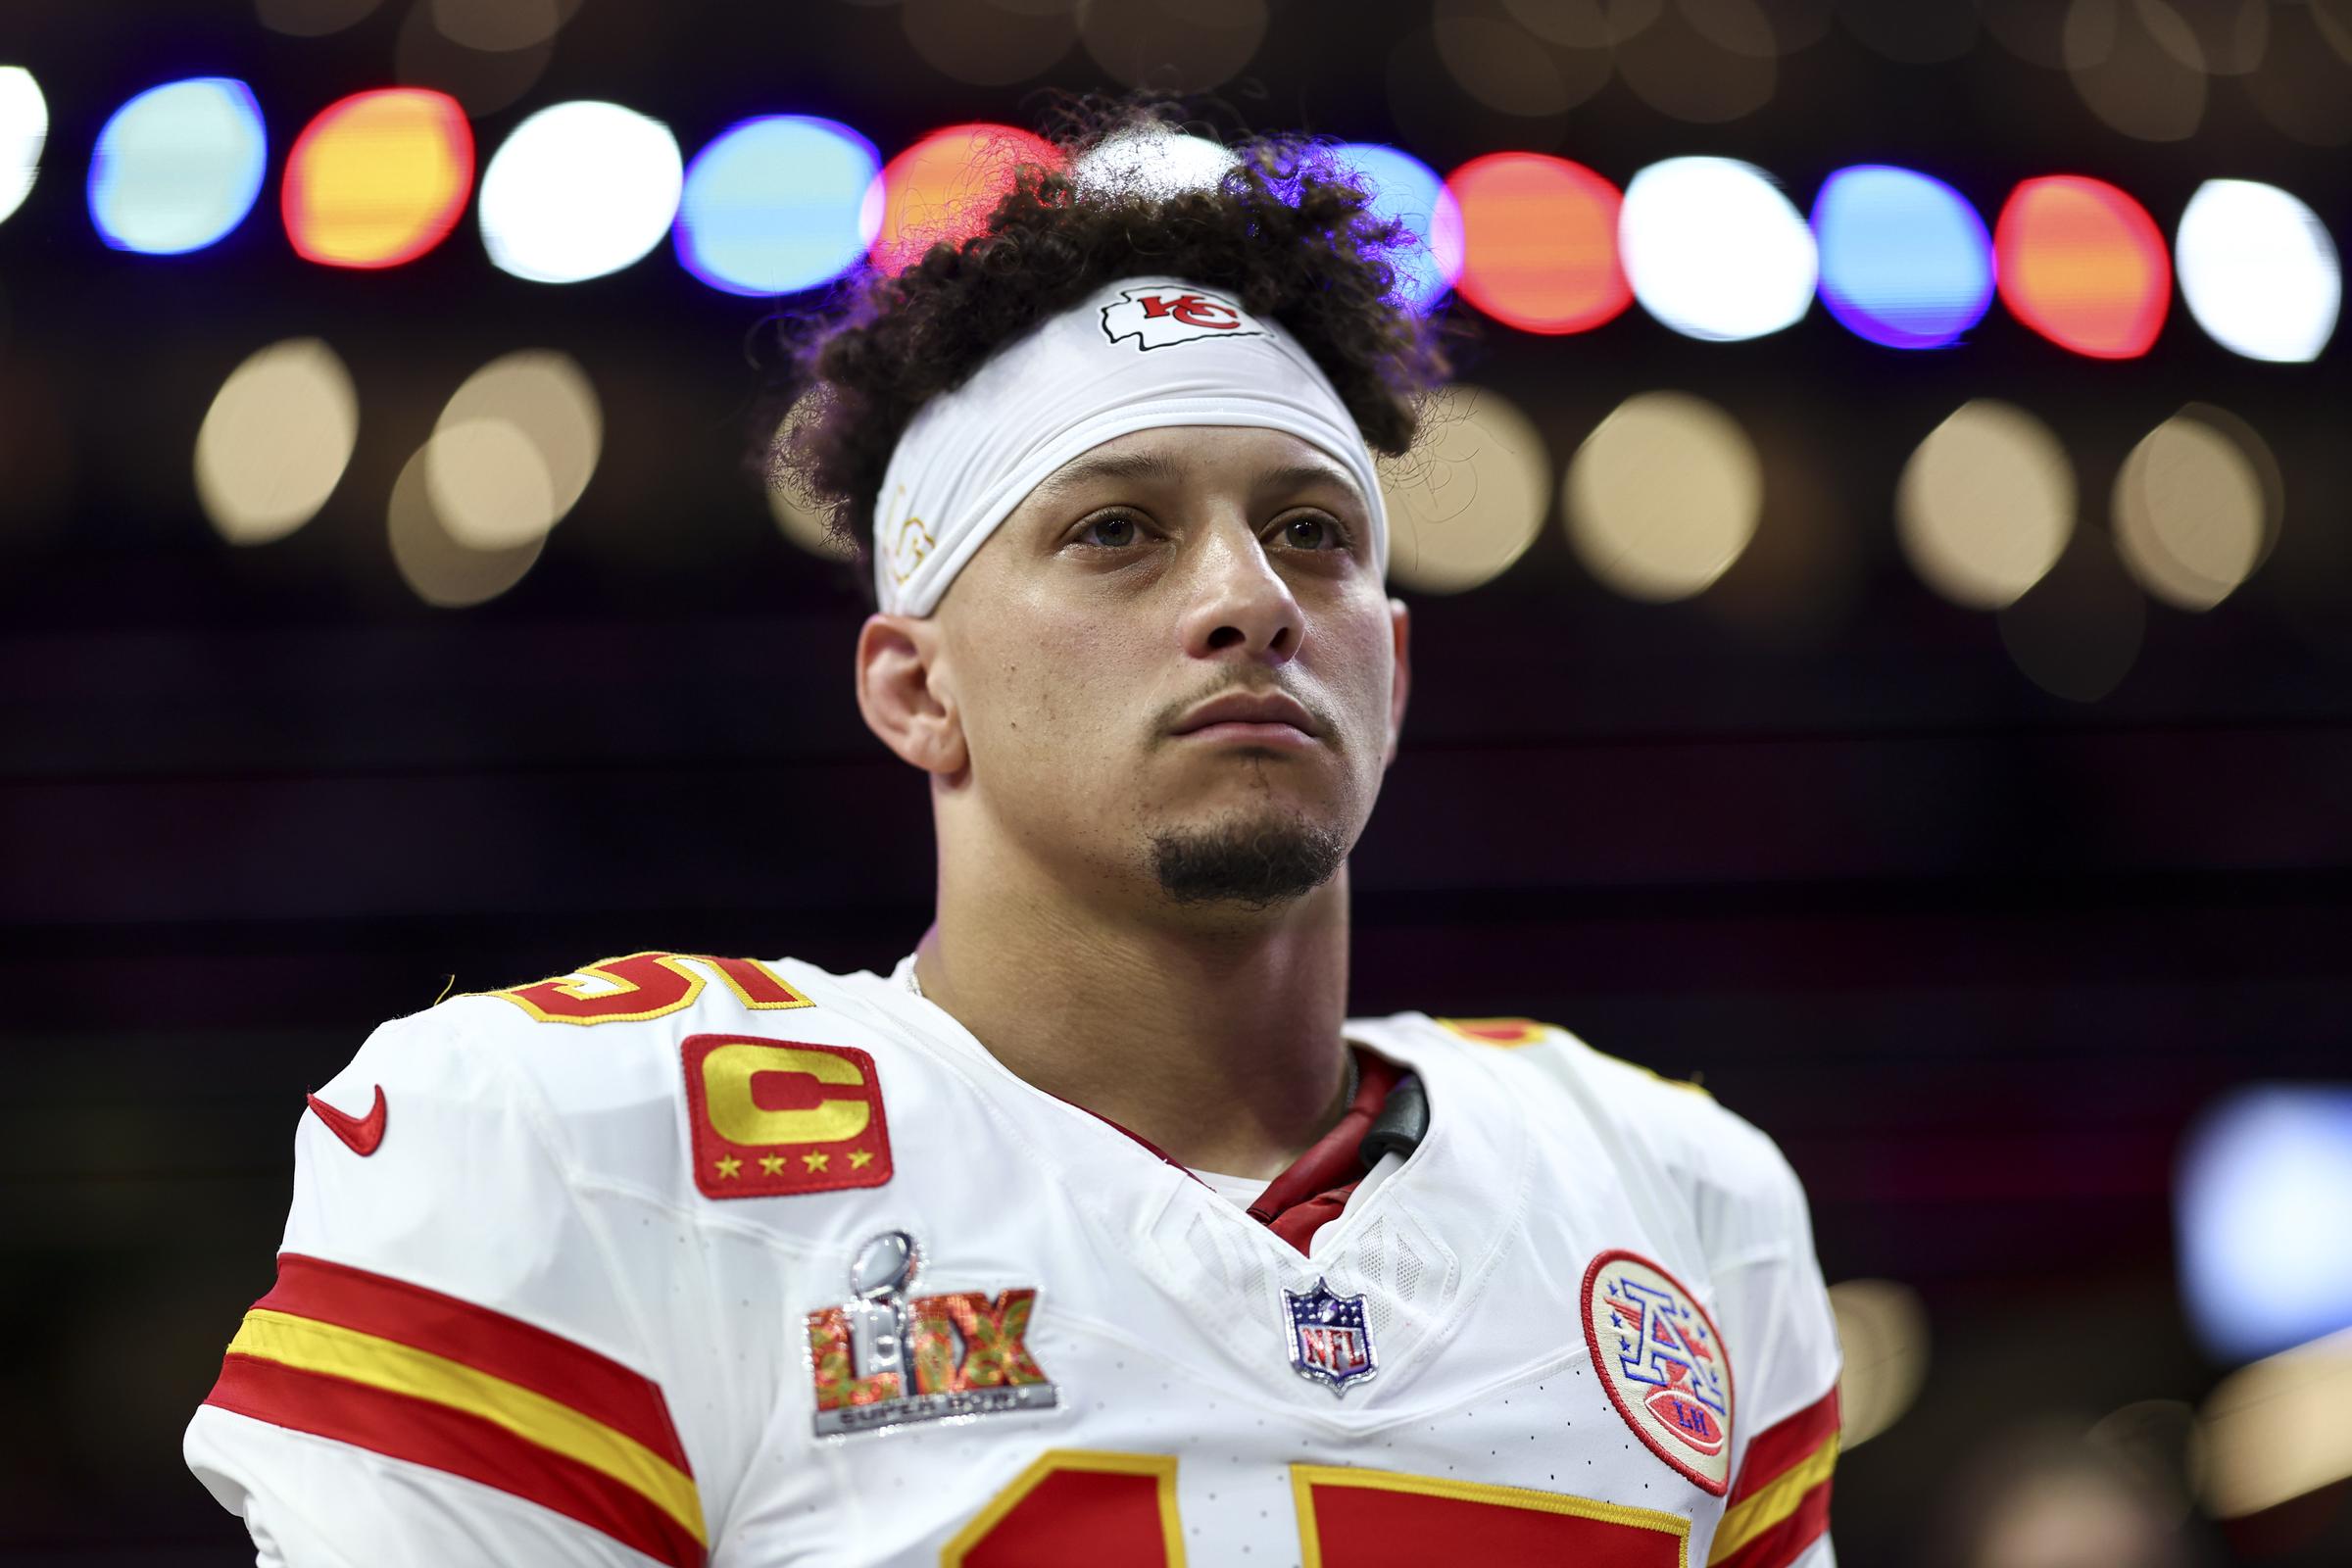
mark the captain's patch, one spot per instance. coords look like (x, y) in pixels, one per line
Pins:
(1656, 1351)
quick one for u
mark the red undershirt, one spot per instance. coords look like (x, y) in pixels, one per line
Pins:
(1316, 1186)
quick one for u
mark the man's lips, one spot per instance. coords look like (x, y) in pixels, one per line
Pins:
(1267, 716)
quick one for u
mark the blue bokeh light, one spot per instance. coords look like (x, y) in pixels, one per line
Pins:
(1403, 186)
(1904, 260)
(777, 204)
(2266, 1255)
(178, 167)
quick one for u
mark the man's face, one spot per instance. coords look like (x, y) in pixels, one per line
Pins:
(1154, 575)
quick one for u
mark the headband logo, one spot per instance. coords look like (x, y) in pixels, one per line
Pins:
(1158, 315)
(907, 543)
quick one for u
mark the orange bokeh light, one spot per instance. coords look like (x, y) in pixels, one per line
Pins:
(2084, 264)
(1539, 242)
(378, 179)
(943, 186)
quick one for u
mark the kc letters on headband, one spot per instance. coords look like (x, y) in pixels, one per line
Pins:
(1137, 355)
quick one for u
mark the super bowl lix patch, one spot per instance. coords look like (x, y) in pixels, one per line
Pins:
(1657, 1352)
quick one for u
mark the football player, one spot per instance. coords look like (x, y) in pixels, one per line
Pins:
(1094, 1231)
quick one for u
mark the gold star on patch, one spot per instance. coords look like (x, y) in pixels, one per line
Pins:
(729, 1166)
(815, 1161)
(860, 1158)
(771, 1164)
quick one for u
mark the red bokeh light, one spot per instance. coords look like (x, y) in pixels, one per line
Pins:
(2084, 264)
(378, 179)
(943, 186)
(1539, 242)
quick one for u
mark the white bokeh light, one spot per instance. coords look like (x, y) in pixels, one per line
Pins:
(1714, 250)
(24, 128)
(2258, 271)
(579, 190)
(1156, 162)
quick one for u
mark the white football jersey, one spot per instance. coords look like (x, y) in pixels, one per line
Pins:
(705, 1260)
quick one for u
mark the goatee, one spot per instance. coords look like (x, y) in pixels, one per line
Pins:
(1255, 864)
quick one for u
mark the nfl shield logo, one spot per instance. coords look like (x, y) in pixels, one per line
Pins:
(1331, 1339)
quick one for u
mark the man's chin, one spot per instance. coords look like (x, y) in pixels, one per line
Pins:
(1251, 862)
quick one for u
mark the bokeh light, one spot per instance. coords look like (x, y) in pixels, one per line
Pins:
(442, 571)
(24, 129)
(1403, 187)
(513, 450)
(1882, 1332)
(2260, 1195)
(1904, 260)
(1713, 249)
(1706, 62)
(777, 204)
(178, 167)
(1539, 242)
(496, 27)
(1180, 46)
(312, 19)
(1663, 495)
(427, 53)
(2259, 270)
(1153, 161)
(2281, 1428)
(943, 187)
(990, 43)
(378, 179)
(275, 441)
(2077, 632)
(1470, 497)
(1499, 62)
(2190, 513)
(1985, 505)
(2083, 263)
(579, 190)
(2138, 66)
(800, 515)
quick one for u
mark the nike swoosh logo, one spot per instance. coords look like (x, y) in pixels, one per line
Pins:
(364, 1133)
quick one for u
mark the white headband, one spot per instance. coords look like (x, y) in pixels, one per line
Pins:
(1139, 354)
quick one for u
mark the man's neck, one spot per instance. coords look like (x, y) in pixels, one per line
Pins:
(1215, 1038)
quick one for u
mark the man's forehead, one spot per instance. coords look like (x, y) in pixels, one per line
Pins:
(1282, 461)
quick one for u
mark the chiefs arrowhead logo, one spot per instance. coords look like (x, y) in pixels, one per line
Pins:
(1158, 315)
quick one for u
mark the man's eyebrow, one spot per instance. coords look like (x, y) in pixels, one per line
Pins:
(1132, 465)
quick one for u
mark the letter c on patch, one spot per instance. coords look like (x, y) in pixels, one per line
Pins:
(727, 1074)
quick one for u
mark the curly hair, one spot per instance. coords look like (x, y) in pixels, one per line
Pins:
(1288, 231)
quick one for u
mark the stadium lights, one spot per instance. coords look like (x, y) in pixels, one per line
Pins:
(378, 179)
(1904, 260)
(24, 127)
(777, 204)
(579, 190)
(178, 167)
(1405, 187)
(1713, 249)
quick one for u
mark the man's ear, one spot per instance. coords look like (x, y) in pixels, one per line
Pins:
(1401, 682)
(897, 659)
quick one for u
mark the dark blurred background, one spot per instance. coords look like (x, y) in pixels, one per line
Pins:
(1946, 753)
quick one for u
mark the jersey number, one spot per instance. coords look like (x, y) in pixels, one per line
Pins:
(1118, 1510)
(647, 985)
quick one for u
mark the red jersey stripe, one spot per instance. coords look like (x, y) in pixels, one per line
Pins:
(441, 1438)
(1773, 1450)
(504, 1347)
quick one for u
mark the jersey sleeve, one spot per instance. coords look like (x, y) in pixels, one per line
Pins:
(1784, 1340)
(448, 1368)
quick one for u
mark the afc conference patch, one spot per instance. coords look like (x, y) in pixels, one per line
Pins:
(1656, 1351)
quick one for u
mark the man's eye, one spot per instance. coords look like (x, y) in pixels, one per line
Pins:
(1313, 531)
(1115, 531)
